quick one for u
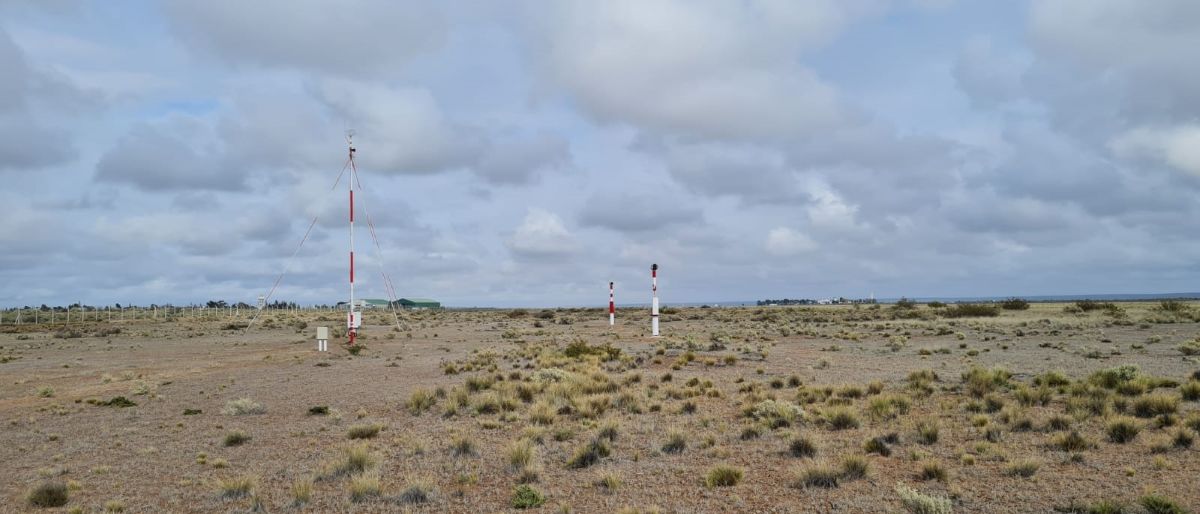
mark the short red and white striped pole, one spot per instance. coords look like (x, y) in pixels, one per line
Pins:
(654, 300)
(612, 309)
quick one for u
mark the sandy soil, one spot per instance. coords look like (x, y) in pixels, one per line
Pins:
(153, 458)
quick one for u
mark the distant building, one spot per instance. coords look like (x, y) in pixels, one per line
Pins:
(418, 303)
(368, 303)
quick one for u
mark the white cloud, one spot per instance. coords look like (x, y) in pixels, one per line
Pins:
(785, 242)
(542, 235)
(1177, 147)
(709, 69)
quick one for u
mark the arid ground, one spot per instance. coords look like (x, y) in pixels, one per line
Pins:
(1059, 407)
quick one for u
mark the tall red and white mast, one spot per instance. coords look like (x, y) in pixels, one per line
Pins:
(353, 316)
(612, 310)
(654, 300)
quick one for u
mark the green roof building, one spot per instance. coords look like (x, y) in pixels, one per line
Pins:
(418, 303)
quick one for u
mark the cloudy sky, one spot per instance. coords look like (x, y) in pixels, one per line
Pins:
(526, 153)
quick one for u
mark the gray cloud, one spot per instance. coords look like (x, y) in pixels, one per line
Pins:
(357, 37)
(166, 156)
(639, 211)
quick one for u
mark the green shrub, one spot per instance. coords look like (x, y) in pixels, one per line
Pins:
(526, 497)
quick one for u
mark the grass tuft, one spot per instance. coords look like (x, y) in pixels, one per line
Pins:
(723, 476)
(676, 442)
(588, 454)
(364, 431)
(236, 487)
(236, 438)
(917, 503)
(48, 494)
(526, 497)
(242, 407)
(364, 487)
(1122, 429)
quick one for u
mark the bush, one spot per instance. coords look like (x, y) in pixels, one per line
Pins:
(676, 442)
(236, 487)
(1023, 468)
(520, 454)
(933, 470)
(1121, 430)
(236, 438)
(48, 494)
(802, 447)
(364, 487)
(417, 492)
(917, 503)
(877, 445)
(1190, 391)
(980, 381)
(927, 432)
(1014, 304)
(588, 454)
(723, 476)
(242, 406)
(854, 467)
(1155, 404)
(971, 310)
(1072, 442)
(420, 401)
(526, 497)
(364, 431)
(352, 460)
(462, 446)
(841, 419)
(118, 401)
(818, 476)
(1155, 504)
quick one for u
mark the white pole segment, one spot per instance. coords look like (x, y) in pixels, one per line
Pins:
(612, 311)
(654, 300)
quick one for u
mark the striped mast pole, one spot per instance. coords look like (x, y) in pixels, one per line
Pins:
(612, 310)
(352, 317)
(654, 300)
